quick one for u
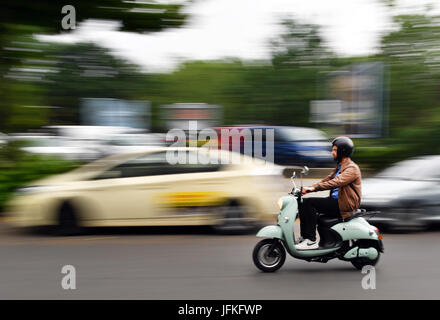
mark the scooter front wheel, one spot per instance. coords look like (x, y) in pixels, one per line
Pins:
(269, 255)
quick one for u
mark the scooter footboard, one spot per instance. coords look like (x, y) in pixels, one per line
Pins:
(271, 232)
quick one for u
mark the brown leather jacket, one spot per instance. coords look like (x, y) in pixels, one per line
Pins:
(349, 187)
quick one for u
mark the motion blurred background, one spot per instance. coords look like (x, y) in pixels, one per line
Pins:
(128, 71)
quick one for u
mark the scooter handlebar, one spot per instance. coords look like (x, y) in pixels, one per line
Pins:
(297, 193)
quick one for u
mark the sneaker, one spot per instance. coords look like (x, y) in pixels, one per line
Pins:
(299, 240)
(307, 244)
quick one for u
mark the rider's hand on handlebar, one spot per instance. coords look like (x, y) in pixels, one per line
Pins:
(307, 190)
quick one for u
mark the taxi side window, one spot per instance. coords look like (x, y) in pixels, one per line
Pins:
(154, 164)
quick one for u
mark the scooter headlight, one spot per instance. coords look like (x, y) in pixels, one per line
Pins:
(280, 203)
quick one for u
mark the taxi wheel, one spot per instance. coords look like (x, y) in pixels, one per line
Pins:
(233, 220)
(67, 221)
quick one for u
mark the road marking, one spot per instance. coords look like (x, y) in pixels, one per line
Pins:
(98, 238)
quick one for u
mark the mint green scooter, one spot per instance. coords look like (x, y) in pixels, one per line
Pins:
(353, 239)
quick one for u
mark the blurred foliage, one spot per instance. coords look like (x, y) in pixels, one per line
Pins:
(277, 93)
(18, 168)
(254, 92)
(87, 71)
(21, 19)
(138, 16)
(412, 53)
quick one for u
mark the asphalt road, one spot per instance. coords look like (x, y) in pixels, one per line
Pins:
(176, 263)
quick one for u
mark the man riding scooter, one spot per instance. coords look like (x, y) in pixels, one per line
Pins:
(344, 183)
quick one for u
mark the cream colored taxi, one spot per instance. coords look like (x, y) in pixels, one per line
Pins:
(203, 187)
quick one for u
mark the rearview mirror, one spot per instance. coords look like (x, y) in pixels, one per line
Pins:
(305, 170)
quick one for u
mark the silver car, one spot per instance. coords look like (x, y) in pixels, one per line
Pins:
(58, 146)
(407, 194)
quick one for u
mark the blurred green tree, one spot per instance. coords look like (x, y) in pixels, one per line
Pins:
(412, 52)
(276, 92)
(281, 93)
(21, 19)
(86, 70)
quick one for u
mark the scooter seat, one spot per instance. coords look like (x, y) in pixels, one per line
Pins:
(356, 213)
(326, 221)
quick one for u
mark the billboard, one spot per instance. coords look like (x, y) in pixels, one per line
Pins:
(357, 104)
(115, 112)
(178, 115)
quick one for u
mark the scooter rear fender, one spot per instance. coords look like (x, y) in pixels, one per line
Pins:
(357, 228)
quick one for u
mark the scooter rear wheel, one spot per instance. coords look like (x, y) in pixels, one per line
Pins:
(269, 255)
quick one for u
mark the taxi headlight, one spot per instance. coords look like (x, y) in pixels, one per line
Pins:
(34, 189)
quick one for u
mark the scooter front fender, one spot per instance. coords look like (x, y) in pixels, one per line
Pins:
(271, 232)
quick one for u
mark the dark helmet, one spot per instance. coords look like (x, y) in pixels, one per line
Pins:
(345, 147)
